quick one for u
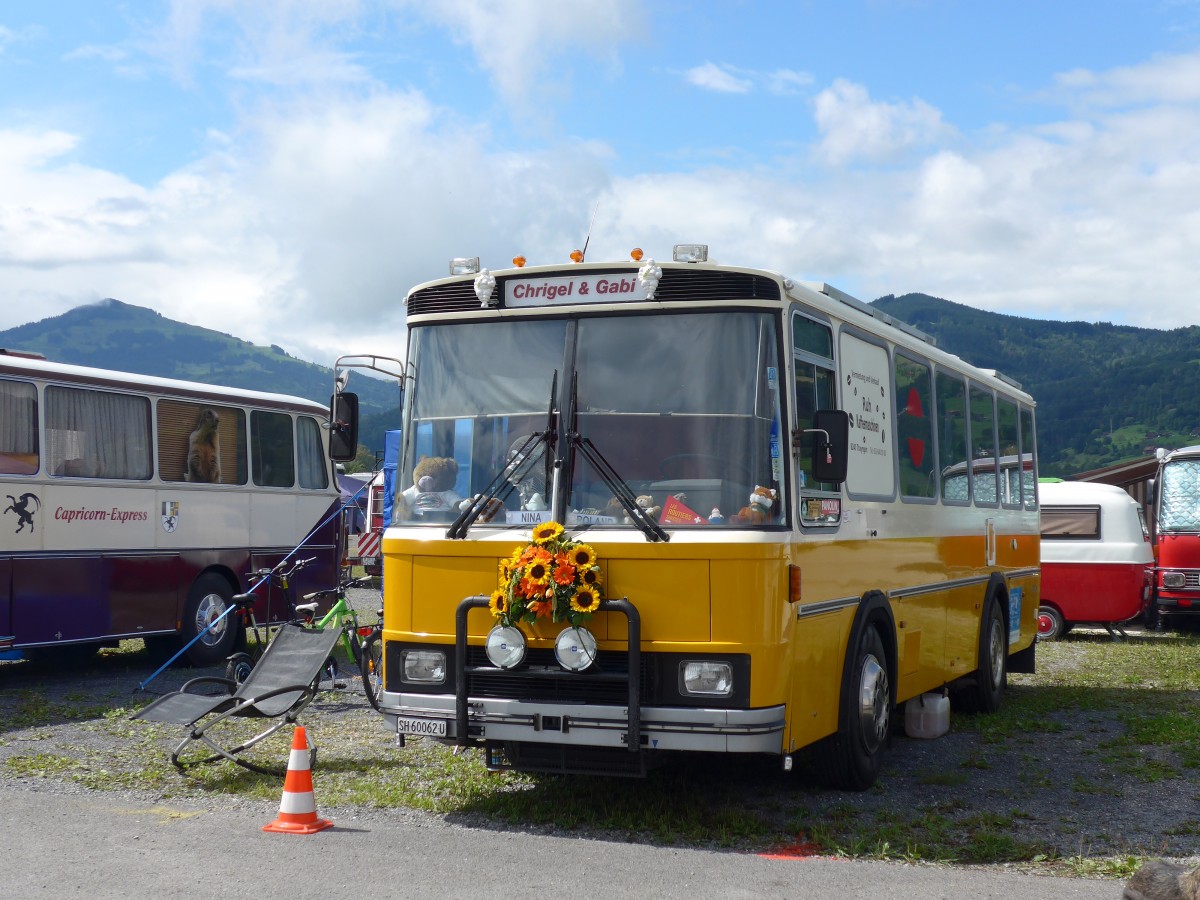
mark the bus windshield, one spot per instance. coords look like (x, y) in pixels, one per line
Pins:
(1180, 510)
(684, 408)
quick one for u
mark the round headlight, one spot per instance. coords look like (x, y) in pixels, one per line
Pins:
(505, 646)
(575, 649)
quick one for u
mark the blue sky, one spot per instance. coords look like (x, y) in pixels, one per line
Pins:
(285, 171)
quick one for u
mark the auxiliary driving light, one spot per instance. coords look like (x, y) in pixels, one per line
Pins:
(505, 646)
(575, 649)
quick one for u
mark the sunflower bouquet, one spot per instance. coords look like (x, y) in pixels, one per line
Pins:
(552, 577)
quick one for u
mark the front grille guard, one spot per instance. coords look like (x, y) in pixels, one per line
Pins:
(634, 656)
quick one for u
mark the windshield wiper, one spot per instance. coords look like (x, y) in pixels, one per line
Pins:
(651, 529)
(518, 464)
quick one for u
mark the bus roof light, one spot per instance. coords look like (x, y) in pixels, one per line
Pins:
(577, 256)
(690, 253)
(636, 254)
(464, 265)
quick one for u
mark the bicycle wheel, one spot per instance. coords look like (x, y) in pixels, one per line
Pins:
(372, 668)
(239, 666)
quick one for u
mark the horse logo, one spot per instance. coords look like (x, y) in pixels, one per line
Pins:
(21, 508)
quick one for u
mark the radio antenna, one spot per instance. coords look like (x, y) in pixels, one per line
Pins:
(589, 232)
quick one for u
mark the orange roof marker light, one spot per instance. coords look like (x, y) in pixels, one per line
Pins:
(519, 262)
(636, 254)
(577, 256)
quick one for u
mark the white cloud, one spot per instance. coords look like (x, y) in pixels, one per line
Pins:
(722, 79)
(853, 127)
(525, 46)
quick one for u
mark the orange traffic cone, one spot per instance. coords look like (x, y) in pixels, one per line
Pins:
(298, 809)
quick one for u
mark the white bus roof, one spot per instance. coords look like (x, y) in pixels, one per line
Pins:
(71, 374)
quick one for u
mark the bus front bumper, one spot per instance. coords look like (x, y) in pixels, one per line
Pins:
(661, 728)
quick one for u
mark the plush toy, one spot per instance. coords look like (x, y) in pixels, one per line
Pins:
(646, 503)
(759, 510)
(432, 489)
(490, 508)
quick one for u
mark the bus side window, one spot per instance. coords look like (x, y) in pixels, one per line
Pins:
(814, 385)
(97, 434)
(19, 438)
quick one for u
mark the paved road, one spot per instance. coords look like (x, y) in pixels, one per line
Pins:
(95, 845)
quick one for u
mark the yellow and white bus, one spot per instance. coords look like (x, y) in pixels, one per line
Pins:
(760, 552)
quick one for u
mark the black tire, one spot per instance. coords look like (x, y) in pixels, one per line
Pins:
(209, 597)
(239, 667)
(852, 758)
(1050, 624)
(372, 668)
(986, 694)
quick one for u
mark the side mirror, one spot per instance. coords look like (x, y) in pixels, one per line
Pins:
(831, 440)
(343, 427)
(1151, 490)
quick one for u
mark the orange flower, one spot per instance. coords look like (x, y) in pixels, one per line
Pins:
(542, 608)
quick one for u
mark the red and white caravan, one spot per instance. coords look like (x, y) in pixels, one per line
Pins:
(1097, 559)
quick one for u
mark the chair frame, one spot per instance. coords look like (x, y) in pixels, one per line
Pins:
(187, 707)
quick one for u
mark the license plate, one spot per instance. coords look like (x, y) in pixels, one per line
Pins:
(427, 727)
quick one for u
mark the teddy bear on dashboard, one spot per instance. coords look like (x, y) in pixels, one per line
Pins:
(432, 490)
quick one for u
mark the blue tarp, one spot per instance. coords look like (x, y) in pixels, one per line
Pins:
(391, 458)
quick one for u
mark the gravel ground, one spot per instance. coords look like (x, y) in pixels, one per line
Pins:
(1053, 789)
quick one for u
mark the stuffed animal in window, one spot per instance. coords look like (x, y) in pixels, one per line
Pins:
(762, 501)
(432, 490)
(645, 502)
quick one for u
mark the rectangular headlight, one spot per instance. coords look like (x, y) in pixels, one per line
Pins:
(1173, 579)
(423, 666)
(690, 253)
(705, 678)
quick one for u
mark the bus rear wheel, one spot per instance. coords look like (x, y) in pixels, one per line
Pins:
(208, 599)
(852, 758)
(985, 691)
(1049, 624)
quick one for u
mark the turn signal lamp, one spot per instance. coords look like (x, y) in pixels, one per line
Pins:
(690, 253)
(519, 262)
(793, 584)
(464, 265)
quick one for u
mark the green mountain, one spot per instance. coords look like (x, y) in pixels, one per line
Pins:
(1105, 393)
(115, 335)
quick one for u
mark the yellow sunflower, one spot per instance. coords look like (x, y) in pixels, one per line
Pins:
(498, 603)
(546, 532)
(538, 571)
(582, 556)
(586, 600)
(591, 577)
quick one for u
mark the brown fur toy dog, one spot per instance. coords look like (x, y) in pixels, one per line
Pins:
(204, 450)
(1158, 879)
(762, 500)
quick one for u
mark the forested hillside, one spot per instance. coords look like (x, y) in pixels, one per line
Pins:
(115, 335)
(1105, 392)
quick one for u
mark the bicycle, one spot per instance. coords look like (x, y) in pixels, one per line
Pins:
(341, 616)
(371, 661)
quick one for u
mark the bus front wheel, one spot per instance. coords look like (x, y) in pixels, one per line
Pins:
(208, 600)
(852, 758)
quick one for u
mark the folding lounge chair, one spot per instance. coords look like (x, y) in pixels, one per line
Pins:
(280, 686)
